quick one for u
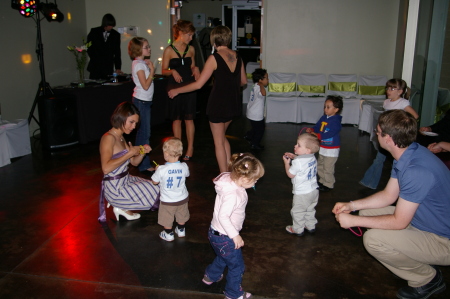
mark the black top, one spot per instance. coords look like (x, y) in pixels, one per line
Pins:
(182, 65)
(104, 56)
(184, 105)
(225, 99)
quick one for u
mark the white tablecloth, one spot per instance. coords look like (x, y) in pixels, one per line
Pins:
(14, 140)
(311, 109)
(369, 107)
(281, 109)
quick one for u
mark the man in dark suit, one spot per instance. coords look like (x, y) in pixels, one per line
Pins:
(104, 53)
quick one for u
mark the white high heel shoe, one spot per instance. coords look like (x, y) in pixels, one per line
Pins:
(119, 212)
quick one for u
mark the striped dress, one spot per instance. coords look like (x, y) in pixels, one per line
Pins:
(129, 192)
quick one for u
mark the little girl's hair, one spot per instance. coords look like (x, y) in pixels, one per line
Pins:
(173, 146)
(135, 47)
(245, 166)
(337, 102)
(400, 84)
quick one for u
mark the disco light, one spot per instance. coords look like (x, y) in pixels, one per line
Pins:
(27, 8)
(51, 12)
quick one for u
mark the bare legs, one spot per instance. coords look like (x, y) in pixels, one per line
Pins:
(176, 128)
(221, 144)
(190, 132)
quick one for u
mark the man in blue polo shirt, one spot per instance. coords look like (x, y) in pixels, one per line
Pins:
(412, 238)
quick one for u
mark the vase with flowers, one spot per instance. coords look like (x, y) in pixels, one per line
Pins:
(80, 57)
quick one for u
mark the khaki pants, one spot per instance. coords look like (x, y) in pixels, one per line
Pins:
(167, 213)
(304, 210)
(325, 170)
(408, 253)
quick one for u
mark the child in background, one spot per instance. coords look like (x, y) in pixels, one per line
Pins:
(303, 174)
(397, 98)
(143, 72)
(255, 109)
(228, 217)
(174, 194)
(327, 130)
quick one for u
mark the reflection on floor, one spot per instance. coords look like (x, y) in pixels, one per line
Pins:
(53, 247)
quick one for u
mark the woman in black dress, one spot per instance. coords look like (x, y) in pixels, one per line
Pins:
(179, 63)
(224, 102)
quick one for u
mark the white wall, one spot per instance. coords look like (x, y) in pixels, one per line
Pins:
(147, 15)
(20, 81)
(327, 36)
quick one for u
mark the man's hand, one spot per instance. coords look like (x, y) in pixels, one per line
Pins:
(342, 207)
(345, 220)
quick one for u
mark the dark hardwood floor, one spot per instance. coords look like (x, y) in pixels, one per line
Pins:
(52, 245)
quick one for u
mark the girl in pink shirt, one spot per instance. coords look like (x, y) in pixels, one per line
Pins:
(228, 217)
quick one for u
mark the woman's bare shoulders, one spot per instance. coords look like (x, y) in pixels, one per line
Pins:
(108, 140)
(230, 58)
(228, 55)
(169, 52)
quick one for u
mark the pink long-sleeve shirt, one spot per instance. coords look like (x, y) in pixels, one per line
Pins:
(229, 209)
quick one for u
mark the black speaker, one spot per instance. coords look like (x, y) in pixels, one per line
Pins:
(58, 121)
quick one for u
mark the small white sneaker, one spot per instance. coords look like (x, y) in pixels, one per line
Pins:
(180, 232)
(167, 237)
(246, 295)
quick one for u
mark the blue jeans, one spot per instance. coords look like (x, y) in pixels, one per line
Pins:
(373, 174)
(229, 257)
(143, 133)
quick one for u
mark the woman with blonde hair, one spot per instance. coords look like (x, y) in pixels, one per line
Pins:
(224, 102)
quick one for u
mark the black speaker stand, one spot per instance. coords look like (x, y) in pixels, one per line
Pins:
(43, 90)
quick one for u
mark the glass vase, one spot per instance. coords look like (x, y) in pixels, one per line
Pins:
(81, 78)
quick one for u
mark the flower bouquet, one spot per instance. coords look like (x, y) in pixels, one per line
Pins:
(80, 57)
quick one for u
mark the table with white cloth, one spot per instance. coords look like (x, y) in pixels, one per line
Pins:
(310, 109)
(14, 140)
(369, 109)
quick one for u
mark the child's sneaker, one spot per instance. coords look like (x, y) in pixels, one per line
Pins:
(246, 295)
(208, 281)
(291, 230)
(310, 231)
(165, 236)
(180, 232)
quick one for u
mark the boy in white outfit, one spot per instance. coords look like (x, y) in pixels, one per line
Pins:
(303, 172)
(255, 109)
(174, 194)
